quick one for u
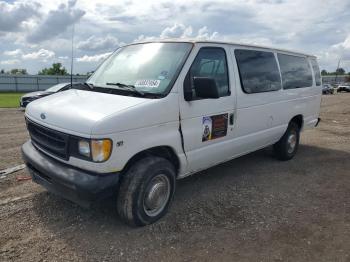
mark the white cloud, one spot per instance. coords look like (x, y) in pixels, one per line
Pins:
(16, 52)
(313, 26)
(10, 62)
(204, 33)
(12, 15)
(181, 31)
(63, 57)
(42, 54)
(93, 58)
(176, 31)
(342, 46)
(56, 22)
(339, 51)
(95, 43)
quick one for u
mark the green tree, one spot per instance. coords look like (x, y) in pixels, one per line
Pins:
(324, 72)
(340, 71)
(18, 71)
(2, 71)
(55, 69)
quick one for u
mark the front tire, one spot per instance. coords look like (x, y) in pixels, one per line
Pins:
(146, 191)
(287, 146)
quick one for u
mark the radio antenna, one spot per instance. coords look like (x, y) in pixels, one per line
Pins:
(72, 58)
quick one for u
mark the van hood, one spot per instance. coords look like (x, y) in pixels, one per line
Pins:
(77, 111)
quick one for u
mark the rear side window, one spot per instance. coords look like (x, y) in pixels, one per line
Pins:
(316, 70)
(258, 71)
(211, 62)
(295, 70)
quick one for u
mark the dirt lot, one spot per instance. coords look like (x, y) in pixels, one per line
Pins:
(254, 208)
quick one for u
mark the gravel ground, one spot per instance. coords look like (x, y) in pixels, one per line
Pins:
(254, 208)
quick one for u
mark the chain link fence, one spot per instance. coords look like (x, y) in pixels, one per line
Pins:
(28, 83)
(332, 79)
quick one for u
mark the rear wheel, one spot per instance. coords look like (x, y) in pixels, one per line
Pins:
(146, 191)
(287, 146)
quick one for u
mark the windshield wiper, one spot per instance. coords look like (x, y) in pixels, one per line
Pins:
(127, 87)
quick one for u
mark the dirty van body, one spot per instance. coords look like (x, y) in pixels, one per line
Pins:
(155, 112)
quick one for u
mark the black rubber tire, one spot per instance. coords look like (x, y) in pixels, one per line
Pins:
(281, 147)
(133, 186)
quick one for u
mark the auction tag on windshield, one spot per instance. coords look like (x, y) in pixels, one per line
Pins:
(147, 83)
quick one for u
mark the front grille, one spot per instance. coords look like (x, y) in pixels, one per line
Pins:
(49, 140)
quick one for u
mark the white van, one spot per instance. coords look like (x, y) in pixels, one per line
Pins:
(158, 111)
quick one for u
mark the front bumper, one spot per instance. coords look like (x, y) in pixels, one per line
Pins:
(76, 185)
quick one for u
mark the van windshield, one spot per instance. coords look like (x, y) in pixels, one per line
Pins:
(149, 68)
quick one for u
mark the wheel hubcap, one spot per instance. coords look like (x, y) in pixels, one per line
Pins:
(157, 195)
(292, 141)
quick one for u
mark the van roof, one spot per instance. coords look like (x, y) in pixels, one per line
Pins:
(189, 40)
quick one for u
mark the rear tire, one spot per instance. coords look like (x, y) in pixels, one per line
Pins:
(146, 191)
(287, 146)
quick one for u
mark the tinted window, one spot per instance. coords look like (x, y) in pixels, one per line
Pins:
(316, 70)
(258, 71)
(295, 70)
(211, 62)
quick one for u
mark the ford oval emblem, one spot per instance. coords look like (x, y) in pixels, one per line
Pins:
(42, 116)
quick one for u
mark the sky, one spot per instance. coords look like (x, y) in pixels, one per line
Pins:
(35, 34)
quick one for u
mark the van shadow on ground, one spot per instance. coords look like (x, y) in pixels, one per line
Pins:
(236, 195)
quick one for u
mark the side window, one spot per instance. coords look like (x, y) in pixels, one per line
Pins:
(258, 71)
(296, 71)
(316, 70)
(211, 62)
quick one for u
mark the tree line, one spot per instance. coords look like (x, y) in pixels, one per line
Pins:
(339, 71)
(55, 69)
(58, 69)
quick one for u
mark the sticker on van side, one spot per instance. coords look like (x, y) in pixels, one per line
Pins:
(214, 127)
(147, 83)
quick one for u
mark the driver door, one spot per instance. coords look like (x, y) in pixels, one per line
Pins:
(207, 124)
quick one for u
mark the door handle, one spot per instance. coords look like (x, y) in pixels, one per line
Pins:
(231, 119)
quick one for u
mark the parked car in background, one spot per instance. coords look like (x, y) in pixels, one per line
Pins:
(327, 89)
(344, 88)
(29, 97)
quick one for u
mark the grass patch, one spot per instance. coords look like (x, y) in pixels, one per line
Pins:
(10, 99)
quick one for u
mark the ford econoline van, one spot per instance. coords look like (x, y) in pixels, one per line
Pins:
(158, 111)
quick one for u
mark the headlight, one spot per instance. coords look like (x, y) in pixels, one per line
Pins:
(97, 150)
(84, 148)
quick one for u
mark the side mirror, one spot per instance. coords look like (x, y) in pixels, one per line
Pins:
(205, 87)
(188, 95)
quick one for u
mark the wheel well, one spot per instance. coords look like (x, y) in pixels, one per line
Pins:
(162, 151)
(298, 119)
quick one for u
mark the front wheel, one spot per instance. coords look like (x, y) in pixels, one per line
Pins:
(287, 146)
(146, 191)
